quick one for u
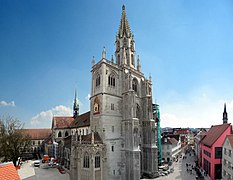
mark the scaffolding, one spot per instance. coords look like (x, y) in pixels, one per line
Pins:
(156, 114)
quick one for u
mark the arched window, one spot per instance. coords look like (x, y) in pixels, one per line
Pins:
(86, 161)
(135, 85)
(59, 134)
(111, 80)
(66, 134)
(118, 59)
(97, 160)
(97, 80)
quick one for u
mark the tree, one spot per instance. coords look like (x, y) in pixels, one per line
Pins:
(13, 142)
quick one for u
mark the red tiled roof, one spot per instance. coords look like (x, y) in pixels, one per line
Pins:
(60, 122)
(230, 139)
(169, 140)
(82, 120)
(38, 134)
(201, 134)
(87, 138)
(182, 131)
(214, 133)
(8, 172)
(173, 141)
(176, 136)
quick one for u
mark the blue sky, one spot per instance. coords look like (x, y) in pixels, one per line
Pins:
(47, 47)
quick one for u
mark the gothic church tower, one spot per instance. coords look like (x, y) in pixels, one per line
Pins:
(121, 110)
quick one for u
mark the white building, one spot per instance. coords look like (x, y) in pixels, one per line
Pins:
(170, 149)
(123, 139)
(227, 158)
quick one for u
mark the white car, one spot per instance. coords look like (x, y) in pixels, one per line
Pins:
(37, 163)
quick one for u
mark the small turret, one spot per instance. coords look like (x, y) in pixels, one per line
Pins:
(93, 61)
(112, 59)
(139, 65)
(150, 78)
(225, 119)
(104, 54)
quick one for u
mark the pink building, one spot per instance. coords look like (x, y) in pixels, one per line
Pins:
(211, 149)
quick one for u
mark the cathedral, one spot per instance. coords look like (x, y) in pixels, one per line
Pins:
(122, 141)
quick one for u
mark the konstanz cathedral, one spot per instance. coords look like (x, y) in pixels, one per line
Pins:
(121, 144)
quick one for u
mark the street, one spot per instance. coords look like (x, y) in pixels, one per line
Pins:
(180, 170)
(29, 172)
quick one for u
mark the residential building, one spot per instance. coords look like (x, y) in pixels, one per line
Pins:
(170, 149)
(122, 142)
(197, 148)
(227, 158)
(211, 149)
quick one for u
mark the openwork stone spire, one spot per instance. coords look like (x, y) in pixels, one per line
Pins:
(76, 105)
(124, 28)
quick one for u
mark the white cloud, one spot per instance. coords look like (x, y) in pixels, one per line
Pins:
(44, 118)
(199, 108)
(4, 103)
(88, 97)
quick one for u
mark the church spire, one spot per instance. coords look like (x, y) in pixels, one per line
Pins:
(225, 119)
(76, 105)
(124, 25)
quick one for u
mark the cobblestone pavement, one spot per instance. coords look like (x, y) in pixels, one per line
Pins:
(180, 170)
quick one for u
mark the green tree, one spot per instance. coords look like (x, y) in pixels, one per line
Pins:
(13, 142)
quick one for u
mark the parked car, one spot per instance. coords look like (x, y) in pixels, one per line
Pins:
(61, 170)
(37, 163)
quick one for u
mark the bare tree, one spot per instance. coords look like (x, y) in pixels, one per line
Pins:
(13, 142)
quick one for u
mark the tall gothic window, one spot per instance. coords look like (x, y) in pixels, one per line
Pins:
(97, 81)
(135, 85)
(97, 161)
(66, 134)
(137, 111)
(111, 80)
(86, 161)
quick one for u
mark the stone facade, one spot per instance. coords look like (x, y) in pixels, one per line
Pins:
(121, 113)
